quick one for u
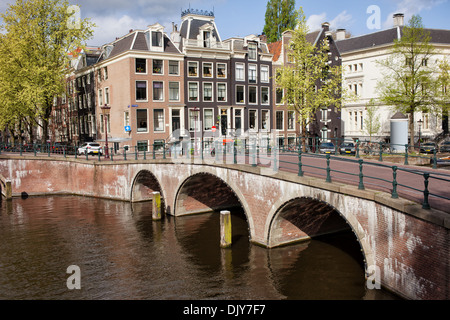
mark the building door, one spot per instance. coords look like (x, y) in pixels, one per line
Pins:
(224, 121)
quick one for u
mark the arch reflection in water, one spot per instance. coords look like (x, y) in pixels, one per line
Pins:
(123, 254)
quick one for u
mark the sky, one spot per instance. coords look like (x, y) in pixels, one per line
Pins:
(239, 18)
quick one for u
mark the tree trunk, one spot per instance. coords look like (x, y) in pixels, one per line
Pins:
(412, 128)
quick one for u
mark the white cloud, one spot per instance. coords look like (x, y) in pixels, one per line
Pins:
(410, 8)
(342, 20)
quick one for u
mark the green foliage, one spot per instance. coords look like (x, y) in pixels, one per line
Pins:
(280, 16)
(409, 83)
(372, 122)
(36, 40)
(308, 81)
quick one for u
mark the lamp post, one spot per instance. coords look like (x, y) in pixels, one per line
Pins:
(420, 131)
(105, 112)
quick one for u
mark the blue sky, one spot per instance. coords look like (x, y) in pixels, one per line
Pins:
(115, 18)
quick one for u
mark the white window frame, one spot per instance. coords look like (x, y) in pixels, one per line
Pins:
(135, 91)
(198, 71)
(163, 120)
(217, 70)
(189, 91)
(237, 73)
(244, 94)
(212, 91)
(212, 70)
(153, 92)
(179, 91)
(265, 74)
(226, 91)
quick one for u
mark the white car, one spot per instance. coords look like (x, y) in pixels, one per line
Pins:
(90, 148)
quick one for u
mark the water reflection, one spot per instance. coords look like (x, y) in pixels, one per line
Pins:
(123, 254)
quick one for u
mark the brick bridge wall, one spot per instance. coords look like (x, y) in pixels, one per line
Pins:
(408, 246)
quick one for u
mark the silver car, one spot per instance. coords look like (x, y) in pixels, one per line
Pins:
(90, 148)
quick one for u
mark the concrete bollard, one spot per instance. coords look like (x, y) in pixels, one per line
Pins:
(156, 206)
(8, 190)
(225, 229)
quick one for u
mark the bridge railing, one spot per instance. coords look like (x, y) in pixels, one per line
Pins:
(361, 172)
(339, 163)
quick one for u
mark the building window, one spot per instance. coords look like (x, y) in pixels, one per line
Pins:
(208, 119)
(279, 96)
(193, 91)
(174, 91)
(105, 70)
(252, 51)
(240, 72)
(265, 74)
(141, 65)
(238, 119)
(253, 119)
(126, 119)
(265, 95)
(156, 39)
(207, 70)
(193, 69)
(158, 120)
(174, 68)
(142, 120)
(221, 92)
(176, 119)
(252, 74)
(142, 146)
(193, 120)
(158, 91)
(141, 90)
(100, 98)
(279, 120)
(158, 66)
(291, 120)
(221, 70)
(240, 93)
(207, 39)
(265, 119)
(106, 97)
(208, 92)
(252, 95)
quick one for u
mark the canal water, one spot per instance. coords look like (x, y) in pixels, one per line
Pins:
(123, 255)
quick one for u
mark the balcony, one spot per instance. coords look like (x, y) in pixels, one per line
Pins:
(193, 43)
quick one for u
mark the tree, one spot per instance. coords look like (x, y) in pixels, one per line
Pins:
(443, 91)
(372, 122)
(280, 16)
(38, 36)
(308, 81)
(409, 82)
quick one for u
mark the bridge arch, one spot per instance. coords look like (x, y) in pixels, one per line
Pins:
(205, 191)
(303, 218)
(143, 186)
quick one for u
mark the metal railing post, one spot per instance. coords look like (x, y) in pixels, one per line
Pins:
(328, 169)
(361, 175)
(426, 192)
(300, 165)
(434, 159)
(406, 155)
(394, 182)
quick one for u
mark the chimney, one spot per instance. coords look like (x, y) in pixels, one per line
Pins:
(399, 19)
(340, 34)
(326, 26)
(175, 35)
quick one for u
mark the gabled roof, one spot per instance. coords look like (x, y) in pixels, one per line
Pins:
(386, 37)
(136, 41)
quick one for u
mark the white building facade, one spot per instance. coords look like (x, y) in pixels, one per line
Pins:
(361, 74)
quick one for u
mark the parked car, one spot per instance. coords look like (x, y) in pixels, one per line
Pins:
(445, 147)
(327, 148)
(90, 148)
(428, 147)
(347, 148)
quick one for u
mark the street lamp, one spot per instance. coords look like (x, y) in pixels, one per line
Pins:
(106, 112)
(196, 119)
(420, 131)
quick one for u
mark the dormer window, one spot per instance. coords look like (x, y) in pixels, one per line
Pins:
(252, 51)
(207, 39)
(156, 39)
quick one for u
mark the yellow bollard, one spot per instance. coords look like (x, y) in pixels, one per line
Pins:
(156, 206)
(225, 229)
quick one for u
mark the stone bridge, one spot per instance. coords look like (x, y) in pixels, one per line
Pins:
(406, 248)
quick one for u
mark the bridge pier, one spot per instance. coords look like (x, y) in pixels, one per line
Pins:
(156, 206)
(225, 229)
